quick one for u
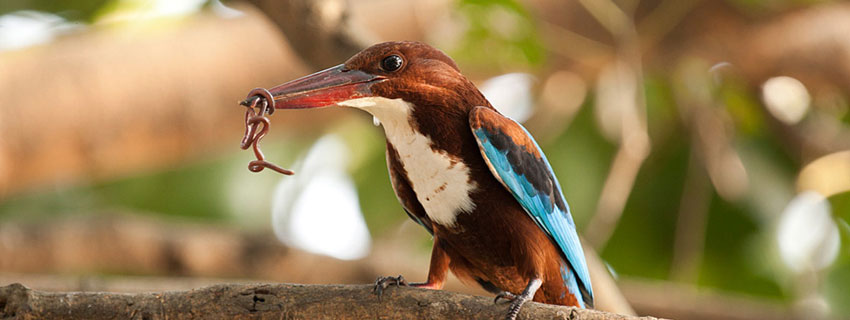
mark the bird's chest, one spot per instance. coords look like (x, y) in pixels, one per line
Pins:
(440, 180)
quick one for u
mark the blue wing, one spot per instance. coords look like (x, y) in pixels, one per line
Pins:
(518, 163)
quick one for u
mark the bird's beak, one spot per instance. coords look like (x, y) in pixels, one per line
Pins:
(324, 88)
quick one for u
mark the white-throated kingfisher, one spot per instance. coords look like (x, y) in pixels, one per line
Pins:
(475, 179)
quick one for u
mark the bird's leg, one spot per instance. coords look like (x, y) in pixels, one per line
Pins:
(438, 270)
(437, 273)
(521, 299)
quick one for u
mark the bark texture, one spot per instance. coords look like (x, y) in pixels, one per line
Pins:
(272, 301)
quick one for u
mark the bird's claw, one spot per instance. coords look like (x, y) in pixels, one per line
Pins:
(384, 282)
(507, 296)
(520, 299)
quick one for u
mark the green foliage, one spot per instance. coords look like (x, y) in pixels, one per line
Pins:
(742, 106)
(580, 157)
(663, 119)
(377, 198)
(71, 10)
(646, 228)
(841, 205)
(835, 285)
(766, 7)
(192, 191)
(47, 203)
(729, 263)
(498, 33)
(838, 278)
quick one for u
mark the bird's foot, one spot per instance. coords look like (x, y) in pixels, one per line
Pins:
(507, 296)
(384, 282)
(516, 304)
(521, 299)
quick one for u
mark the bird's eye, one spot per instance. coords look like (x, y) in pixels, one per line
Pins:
(391, 63)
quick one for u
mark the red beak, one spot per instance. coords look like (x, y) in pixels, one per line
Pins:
(324, 88)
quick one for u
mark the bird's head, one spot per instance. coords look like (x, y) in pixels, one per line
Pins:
(385, 79)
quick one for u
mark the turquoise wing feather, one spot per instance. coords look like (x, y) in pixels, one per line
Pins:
(518, 163)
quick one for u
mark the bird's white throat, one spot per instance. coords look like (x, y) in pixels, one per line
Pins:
(440, 180)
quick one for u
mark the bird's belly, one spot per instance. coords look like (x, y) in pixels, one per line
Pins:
(477, 268)
(477, 258)
(500, 244)
(441, 181)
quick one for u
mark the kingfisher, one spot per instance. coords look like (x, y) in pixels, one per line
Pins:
(475, 179)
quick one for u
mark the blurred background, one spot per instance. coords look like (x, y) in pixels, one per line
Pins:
(703, 146)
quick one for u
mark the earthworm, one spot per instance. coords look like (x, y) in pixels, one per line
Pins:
(262, 100)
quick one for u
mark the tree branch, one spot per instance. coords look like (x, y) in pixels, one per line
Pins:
(273, 301)
(320, 31)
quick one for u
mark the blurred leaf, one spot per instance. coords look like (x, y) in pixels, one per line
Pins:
(742, 106)
(771, 174)
(498, 33)
(194, 191)
(47, 203)
(835, 286)
(845, 117)
(71, 10)
(768, 7)
(841, 205)
(661, 112)
(642, 242)
(838, 279)
(727, 263)
(580, 157)
(377, 198)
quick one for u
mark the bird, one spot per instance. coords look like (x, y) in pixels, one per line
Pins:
(476, 180)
